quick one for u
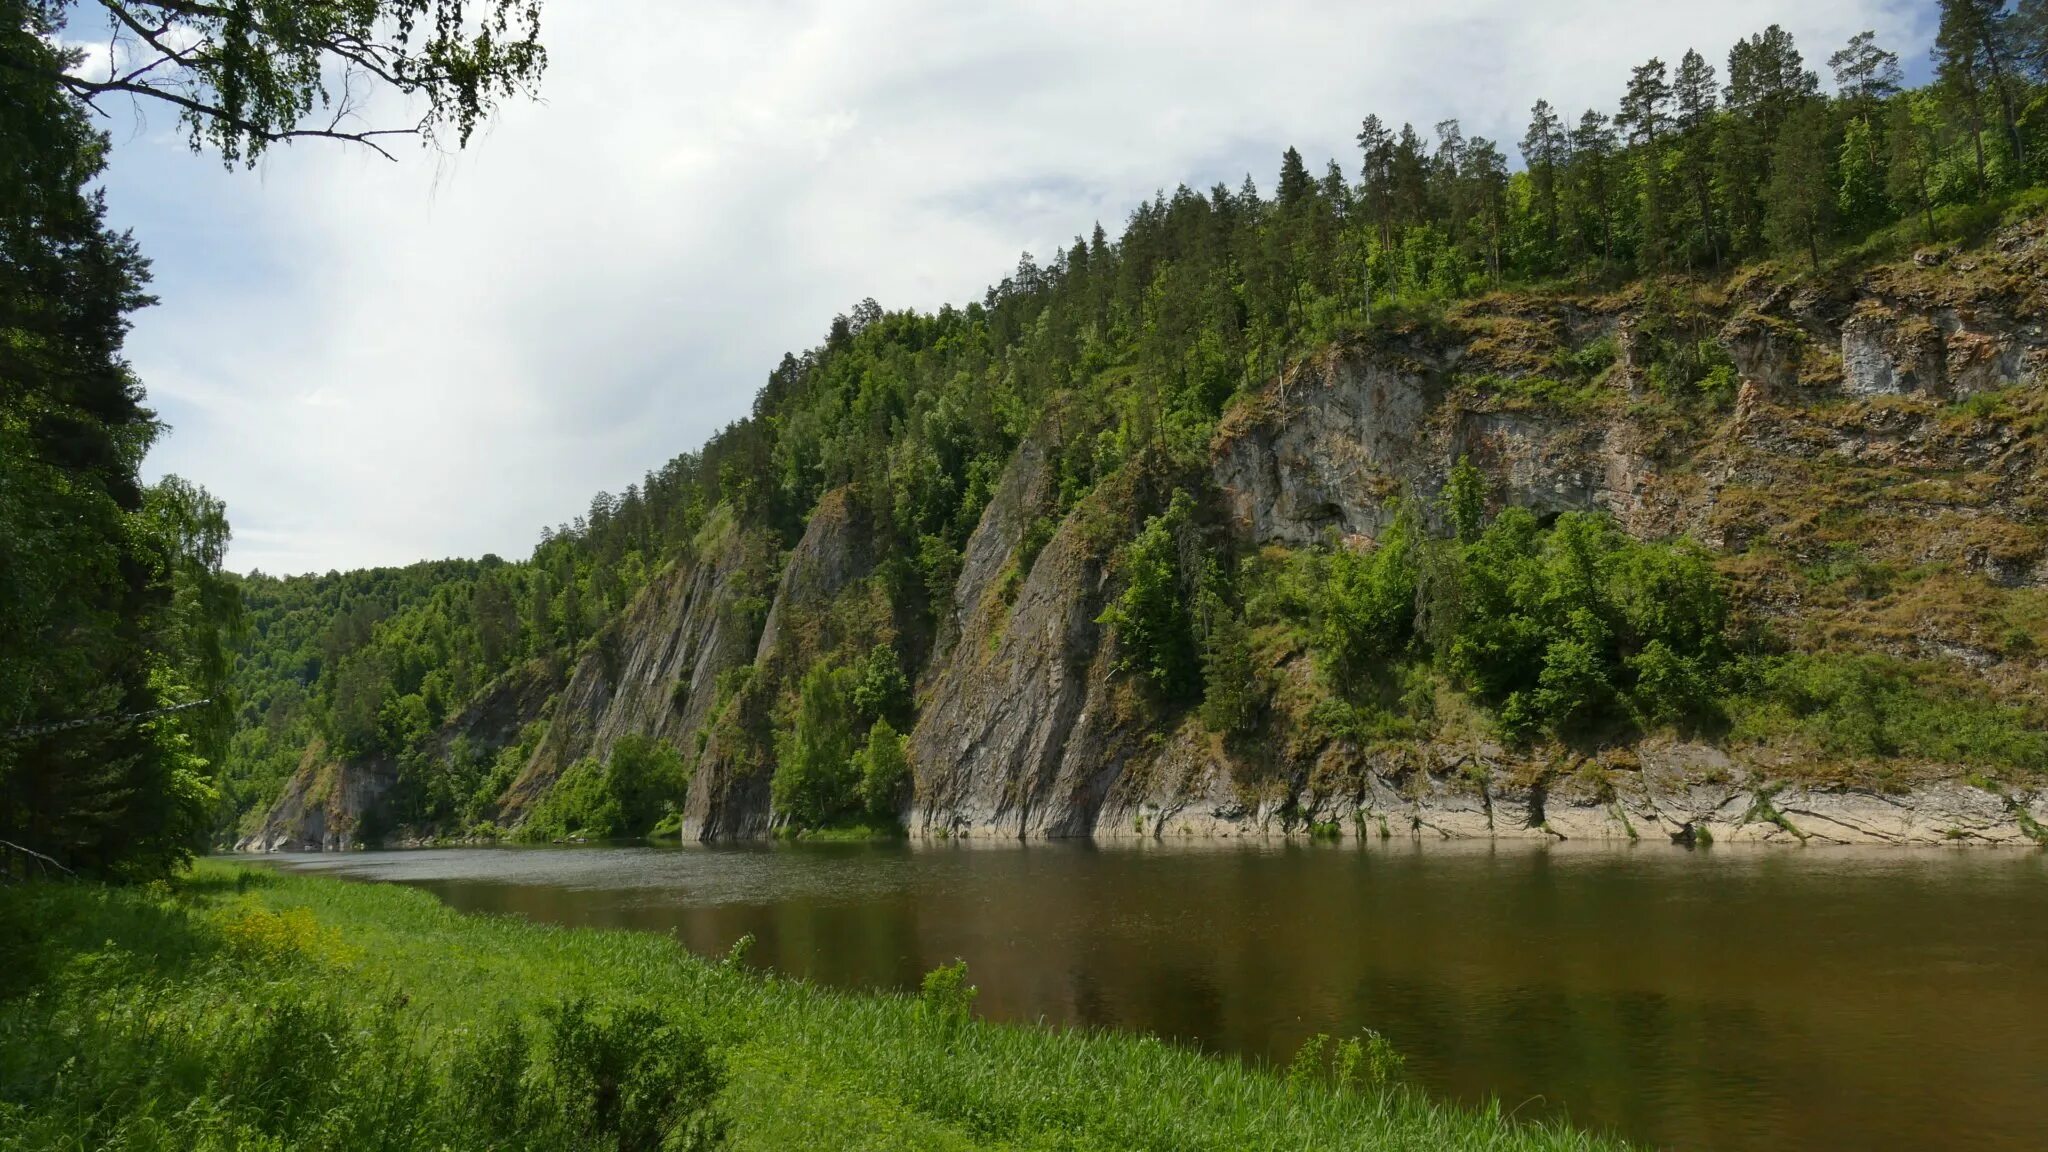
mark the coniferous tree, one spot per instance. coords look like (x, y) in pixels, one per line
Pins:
(1592, 167)
(1767, 79)
(1448, 194)
(1486, 184)
(1695, 96)
(1976, 36)
(2030, 38)
(1646, 107)
(1963, 76)
(1376, 177)
(1544, 149)
(1865, 74)
(1644, 118)
(113, 607)
(1865, 77)
(1801, 196)
(1295, 185)
(1411, 179)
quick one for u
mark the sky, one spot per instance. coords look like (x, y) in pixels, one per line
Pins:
(377, 363)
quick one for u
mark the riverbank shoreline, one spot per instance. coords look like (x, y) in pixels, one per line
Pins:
(1645, 806)
(133, 1012)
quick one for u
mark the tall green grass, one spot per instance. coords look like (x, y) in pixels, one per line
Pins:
(250, 1010)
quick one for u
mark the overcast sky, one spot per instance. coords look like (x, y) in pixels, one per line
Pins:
(378, 363)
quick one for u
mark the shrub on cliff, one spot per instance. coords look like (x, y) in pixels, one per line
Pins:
(1578, 625)
(1564, 629)
(626, 795)
(1869, 707)
(1151, 618)
(1367, 615)
(1235, 690)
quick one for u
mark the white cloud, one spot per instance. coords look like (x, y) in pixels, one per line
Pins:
(376, 363)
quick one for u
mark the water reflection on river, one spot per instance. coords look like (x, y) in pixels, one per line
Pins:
(1722, 999)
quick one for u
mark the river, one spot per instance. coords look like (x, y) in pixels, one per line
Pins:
(1719, 999)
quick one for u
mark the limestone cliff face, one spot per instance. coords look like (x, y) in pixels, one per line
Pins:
(1901, 413)
(1014, 733)
(820, 604)
(1327, 448)
(323, 805)
(987, 563)
(1845, 408)
(1687, 793)
(654, 672)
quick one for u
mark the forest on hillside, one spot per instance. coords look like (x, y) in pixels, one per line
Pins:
(1122, 354)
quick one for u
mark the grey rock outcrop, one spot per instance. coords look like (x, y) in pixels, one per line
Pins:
(729, 796)
(654, 672)
(323, 806)
(1018, 732)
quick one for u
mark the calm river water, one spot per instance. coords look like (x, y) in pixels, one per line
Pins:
(1719, 999)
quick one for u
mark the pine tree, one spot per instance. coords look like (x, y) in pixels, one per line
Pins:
(1865, 74)
(1865, 77)
(1644, 117)
(1958, 78)
(1972, 54)
(1544, 149)
(1376, 177)
(1695, 95)
(1411, 179)
(1592, 164)
(1447, 191)
(1800, 202)
(112, 603)
(1646, 106)
(2030, 39)
(1295, 186)
(1485, 179)
(1767, 80)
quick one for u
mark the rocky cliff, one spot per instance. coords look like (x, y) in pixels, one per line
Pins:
(824, 600)
(1887, 421)
(655, 670)
(333, 802)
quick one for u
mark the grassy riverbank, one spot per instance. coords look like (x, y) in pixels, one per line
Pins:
(240, 1009)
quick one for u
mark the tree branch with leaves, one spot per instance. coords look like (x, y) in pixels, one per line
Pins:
(247, 74)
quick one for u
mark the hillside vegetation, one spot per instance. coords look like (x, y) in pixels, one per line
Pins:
(1718, 422)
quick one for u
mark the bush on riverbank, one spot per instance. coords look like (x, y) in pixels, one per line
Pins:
(241, 1009)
